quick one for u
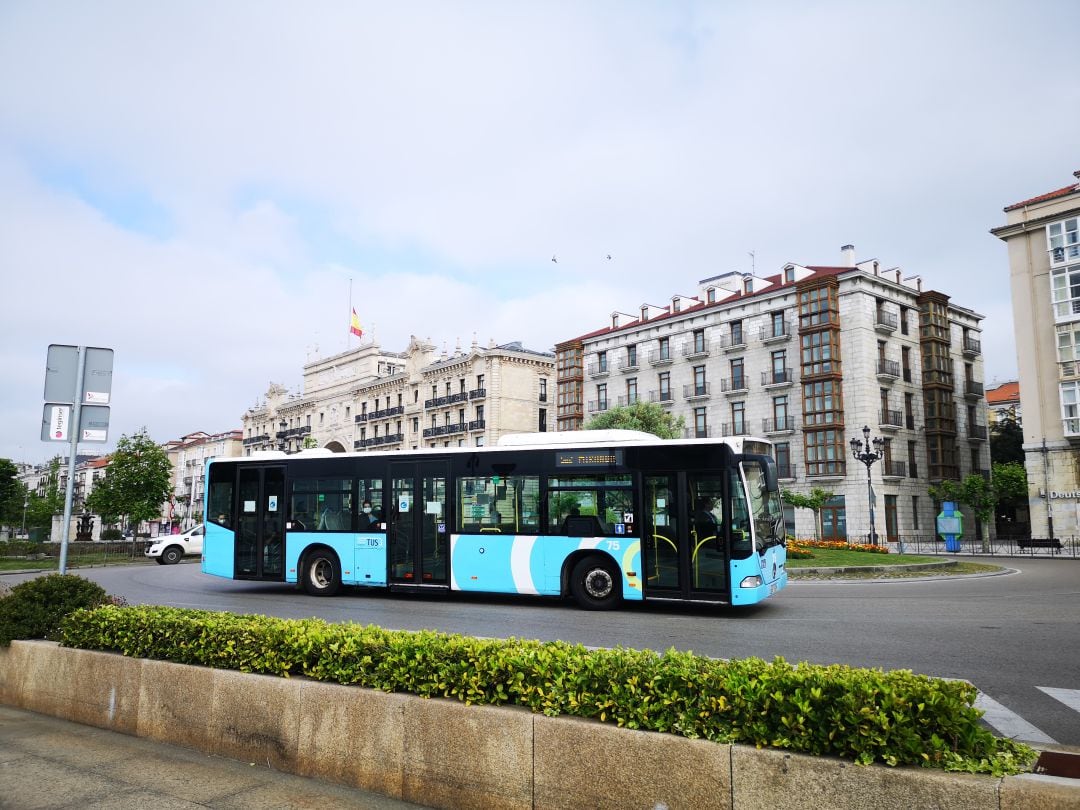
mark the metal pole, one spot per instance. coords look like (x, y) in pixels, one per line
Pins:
(870, 501)
(73, 451)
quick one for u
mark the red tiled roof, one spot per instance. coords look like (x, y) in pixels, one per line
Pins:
(776, 279)
(1050, 195)
(1006, 392)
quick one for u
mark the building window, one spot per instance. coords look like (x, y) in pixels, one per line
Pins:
(915, 512)
(903, 320)
(710, 295)
(665, 386)
(782, 451)
(479, 413)
(780, 412)
(699, 381)
(789, 275)
(415, 424)
(631, 356)
(699, 341)
(601, 362)
(738, 418)
(776, 324)
(676, 305)
(822, 402)
(543, 421)
(737, 333)
(543, 389)
(1070, 407)
(818, 351)
(1068, 342)
(1063, 240)
(701, 427)
(824, 452)
(601, 397)
(631, 391)
(665, 348)
(818, 307)
(479, 380)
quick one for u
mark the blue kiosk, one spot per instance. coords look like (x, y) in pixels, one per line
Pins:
(950, 525)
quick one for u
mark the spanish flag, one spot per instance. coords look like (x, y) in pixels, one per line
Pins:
(354, 327)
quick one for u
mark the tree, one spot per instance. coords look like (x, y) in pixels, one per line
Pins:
(1007, 482)
(138, 481)
(817, 498)
(11, 494)
(647, 416)
(42, 508)
(1007, 441)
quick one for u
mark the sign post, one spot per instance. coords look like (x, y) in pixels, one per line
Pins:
(78, 385)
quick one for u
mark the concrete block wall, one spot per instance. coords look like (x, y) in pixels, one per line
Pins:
(442, 753)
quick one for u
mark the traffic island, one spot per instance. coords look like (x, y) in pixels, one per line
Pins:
(442, 753)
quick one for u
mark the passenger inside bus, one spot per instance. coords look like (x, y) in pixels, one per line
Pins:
(705, 523)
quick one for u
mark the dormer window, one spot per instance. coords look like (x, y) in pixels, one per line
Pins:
(710, 294)
(789, 275)
(676, 305)
(644, 314)
(748, 285)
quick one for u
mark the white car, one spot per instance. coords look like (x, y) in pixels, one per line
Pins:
(169, 549)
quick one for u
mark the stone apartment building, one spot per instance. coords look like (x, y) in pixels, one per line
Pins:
(369, 399)
(1042, 235)
(806, 358)
(188, 456)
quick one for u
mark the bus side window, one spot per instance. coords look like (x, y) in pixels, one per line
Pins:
(741, 538)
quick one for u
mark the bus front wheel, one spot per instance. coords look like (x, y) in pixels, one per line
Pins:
(322, 573)
(595, 584)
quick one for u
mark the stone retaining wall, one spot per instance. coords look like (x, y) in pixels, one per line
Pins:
(441, 753)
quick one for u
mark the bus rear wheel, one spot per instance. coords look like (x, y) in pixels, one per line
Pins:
(322, 573)
(595, 584)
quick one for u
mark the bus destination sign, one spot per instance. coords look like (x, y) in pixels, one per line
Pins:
(588, 458)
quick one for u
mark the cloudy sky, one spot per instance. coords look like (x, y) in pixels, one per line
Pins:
(194, 184)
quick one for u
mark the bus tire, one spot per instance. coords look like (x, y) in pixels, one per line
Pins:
(322, 573)
(172, 555)
(595, 584)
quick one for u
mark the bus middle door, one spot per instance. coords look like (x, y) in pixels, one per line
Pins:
(260, 537)
(417, 527)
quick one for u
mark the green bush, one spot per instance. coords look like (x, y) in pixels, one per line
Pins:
(896, 718)
(33, 609)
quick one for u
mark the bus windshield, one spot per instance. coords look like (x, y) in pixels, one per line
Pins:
(764, 505)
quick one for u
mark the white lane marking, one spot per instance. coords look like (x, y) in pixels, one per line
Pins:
(1070, 697)
(1009, 723)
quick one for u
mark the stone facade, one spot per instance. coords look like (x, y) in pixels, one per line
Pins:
(368, 399)
(188, 456)
(1043, 243)
(806, 358)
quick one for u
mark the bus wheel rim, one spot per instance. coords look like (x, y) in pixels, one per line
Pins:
(598, 583)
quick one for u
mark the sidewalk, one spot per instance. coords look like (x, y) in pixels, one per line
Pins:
(50, 763)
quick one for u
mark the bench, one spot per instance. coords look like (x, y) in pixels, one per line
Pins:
(1039, 542)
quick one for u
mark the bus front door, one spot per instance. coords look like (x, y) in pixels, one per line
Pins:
(417, 527)
(683, 539)
(260, 523)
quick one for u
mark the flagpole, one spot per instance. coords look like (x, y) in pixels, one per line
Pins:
(348, 338)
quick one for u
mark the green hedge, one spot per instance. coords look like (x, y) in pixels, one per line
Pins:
(34, 609)
(896, 718)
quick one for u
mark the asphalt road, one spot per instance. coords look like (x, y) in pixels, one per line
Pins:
(1008, 634)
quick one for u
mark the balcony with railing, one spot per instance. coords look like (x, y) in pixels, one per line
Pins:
(660, 357)
(397, 410)
(888, 370)
(971, 347)
(663, 397)
(730, 343)
(977, 432)
(250, 440)
(735, 385)
(695, 350)
(695, 392)
(973, 389)
(598, 369)
(698, 433)
(777, 377)
(885, 321)
(786, 472)
(627, 399)
(598, 405)
(477, 424)
(628, 364)
(478, 393)
(781, 424)
(775, 332)
(734, 429)
(889, 419)
(894, 469)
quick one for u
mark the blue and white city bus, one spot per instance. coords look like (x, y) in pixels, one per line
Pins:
(602, 516)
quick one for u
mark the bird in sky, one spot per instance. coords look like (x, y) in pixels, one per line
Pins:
(609, 257)
(554, 259)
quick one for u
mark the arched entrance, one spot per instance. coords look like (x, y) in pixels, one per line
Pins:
(335, 447)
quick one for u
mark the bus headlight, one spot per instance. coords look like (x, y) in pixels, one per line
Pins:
(751, 582)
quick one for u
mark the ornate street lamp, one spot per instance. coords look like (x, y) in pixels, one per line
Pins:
(862, 452)
(283, 443)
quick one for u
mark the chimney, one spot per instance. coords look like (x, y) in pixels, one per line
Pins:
(847, 256)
